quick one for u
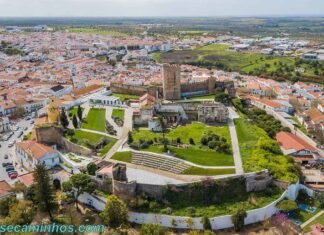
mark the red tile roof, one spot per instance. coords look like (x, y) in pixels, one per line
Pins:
(27, 179)
(290, 141)
(36, 150)
(4, 188)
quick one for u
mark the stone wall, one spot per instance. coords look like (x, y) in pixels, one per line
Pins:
(136, 90)
(253, 182)
(171, 82)
(54, 135)
(77, 149)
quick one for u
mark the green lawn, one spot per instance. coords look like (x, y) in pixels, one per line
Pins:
(319, 220)
(124, 97)
(123, 156)
(208, 172)
(212, 96)
(197, 153)
(118, 113)
(194, 131)
(96, 120)
(203, 157)
(83, 138)
(74, 111)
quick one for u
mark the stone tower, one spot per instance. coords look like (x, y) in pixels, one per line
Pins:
(53, 110)
(171, 82)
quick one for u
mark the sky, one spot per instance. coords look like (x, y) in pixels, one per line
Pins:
(131, 8)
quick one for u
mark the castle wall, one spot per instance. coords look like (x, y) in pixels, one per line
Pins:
(135, 90)
(171, 82)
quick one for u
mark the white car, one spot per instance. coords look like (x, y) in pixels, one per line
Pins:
(12, 143)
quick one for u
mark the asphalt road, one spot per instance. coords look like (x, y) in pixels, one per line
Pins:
(5, 149)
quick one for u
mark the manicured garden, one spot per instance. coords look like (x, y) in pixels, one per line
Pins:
(95, 120)
(91, 140)
(197, 143)
(74, 111)
(123, 156)
(118, 113)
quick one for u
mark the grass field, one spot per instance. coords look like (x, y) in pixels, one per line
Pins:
(197, 153)
(74, 111)
(83, 137)
(319, 220)
(123, 156)
(247, 135)
(203, 97)
(96, 120)
(98, 31)
(124, 97)
(218, 55)
(118, 113)
(208, 172)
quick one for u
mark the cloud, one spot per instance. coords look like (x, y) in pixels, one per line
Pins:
(159, 7)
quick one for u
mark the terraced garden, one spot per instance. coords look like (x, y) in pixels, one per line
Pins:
(189, 150)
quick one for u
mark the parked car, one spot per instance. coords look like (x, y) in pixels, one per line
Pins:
(12, 143)
(4, 164)
(19, 134)
(6, 156)
(9, 168)
(27, 118)
(26, 128)
(13, 176)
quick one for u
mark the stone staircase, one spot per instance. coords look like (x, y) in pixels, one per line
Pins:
(159, 162)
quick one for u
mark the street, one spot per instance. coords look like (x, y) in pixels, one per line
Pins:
(5, 149)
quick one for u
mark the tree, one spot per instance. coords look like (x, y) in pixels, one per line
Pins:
(75, 121)
(20, 213)
(115, 213)
(130, 138)
(191, 141)
(152, 229)
(287, 205)
(206, 223)
(79, 113)
(238, 219)
(163, 129)
(91, 168)
(44, 193)
(63, 119)
(5, 205)
(78, 184)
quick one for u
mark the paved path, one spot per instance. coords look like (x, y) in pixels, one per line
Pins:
(111, 121)
(98, 132)
(312, 219)
(235, 145)
(128, 126)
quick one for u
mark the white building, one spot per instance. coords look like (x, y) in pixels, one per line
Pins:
(30, 153)
(4, 124)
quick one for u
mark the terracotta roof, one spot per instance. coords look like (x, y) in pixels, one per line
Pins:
(27, 179)
(4, 188)
(315, 115)
(270, 103)
(36, 150)
(290, 141)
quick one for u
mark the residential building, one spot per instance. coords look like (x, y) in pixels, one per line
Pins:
(30, 153)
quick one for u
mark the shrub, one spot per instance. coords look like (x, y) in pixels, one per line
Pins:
(191, 141)
(212, 144)
(152, 229)
(206, 223)
(238, 219)
(144, 145)
(287, 205)
(204, 140)
(178, 140)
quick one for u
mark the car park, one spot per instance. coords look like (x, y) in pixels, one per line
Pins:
(12, 143)
(4, 164)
